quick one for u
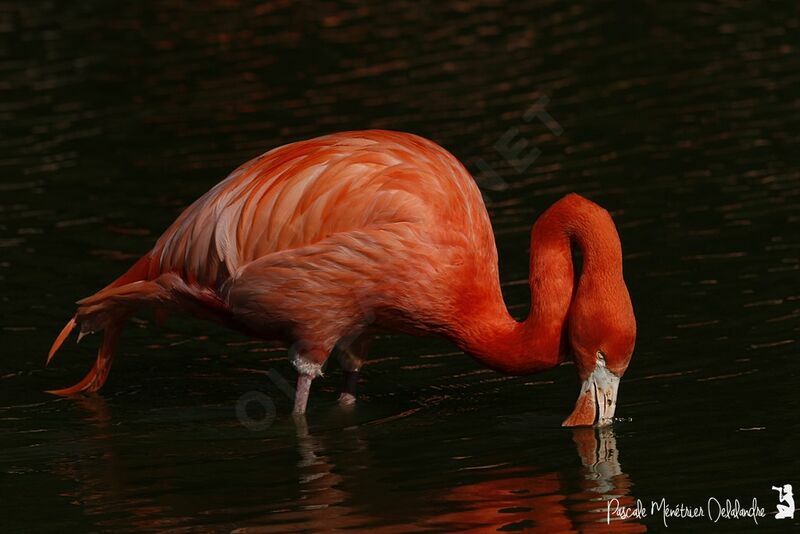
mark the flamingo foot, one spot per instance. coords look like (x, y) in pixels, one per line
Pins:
(348, 394)
(347, 399)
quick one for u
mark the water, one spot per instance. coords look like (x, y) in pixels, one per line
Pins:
(682, 120)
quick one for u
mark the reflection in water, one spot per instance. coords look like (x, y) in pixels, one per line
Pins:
(598, 452)
(338, 484)
(102, 479)
(603, 473)
(514, 501)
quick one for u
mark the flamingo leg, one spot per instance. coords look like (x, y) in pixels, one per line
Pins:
(348, 394)
(351, 358)
(301, 393)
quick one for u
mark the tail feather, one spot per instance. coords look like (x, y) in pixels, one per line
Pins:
(106, 311)
(95, 379)
(65, 332)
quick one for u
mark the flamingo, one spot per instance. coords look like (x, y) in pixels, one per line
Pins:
(326, 241)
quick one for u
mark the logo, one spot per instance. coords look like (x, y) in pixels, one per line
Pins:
(785, 496)
(715, 509)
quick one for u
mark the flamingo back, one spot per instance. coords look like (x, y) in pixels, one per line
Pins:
(303, 192)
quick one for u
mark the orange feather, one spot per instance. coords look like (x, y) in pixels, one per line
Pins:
(333, 237)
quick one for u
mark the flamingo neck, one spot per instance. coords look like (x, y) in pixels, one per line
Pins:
(489, 333)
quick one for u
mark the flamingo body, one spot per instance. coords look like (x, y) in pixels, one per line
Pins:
(315, 240)
(323, 241)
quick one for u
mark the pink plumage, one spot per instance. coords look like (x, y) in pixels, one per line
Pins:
(329, 239)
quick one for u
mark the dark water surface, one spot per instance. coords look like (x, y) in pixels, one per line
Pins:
(683, 120)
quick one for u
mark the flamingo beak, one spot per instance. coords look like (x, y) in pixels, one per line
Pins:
(598, 398)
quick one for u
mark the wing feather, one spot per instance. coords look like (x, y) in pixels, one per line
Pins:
(299, 194)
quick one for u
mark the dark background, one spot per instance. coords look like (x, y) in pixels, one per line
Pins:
(681, 119)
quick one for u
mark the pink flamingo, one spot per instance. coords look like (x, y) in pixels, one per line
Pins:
(329, 239)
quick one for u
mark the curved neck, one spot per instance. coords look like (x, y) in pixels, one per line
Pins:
(492, 336)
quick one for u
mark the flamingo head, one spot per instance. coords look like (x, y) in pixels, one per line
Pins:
(602, 334)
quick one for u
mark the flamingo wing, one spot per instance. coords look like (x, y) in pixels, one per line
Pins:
(301, 193)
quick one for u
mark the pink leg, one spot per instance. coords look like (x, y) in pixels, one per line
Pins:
(301, 393)
(348, 393)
